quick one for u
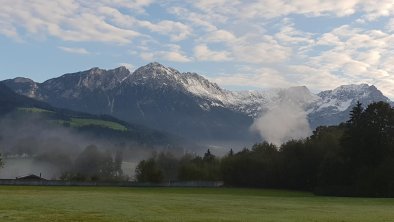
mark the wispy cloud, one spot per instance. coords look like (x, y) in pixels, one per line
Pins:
(277, 8)
(80, 51)
(203, 53)
(257, 78)
(284, 42)
(390, 26)
(172, 52)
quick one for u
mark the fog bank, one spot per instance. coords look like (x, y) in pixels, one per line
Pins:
(286, 118)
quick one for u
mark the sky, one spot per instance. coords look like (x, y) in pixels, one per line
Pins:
(239, 44)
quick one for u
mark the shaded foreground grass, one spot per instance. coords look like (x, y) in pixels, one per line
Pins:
(183, 204)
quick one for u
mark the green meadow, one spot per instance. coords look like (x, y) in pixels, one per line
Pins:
(80, 122)
(34, 110)
(28, 203)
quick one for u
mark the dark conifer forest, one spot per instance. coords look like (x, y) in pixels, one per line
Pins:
(355, 158)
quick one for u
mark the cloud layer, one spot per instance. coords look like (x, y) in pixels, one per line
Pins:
(259, 43)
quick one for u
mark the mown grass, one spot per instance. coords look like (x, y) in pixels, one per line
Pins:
(183, 204)
(34, 110)
(80, 122)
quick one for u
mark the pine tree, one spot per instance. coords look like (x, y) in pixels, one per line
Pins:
(208, 156)
(231, 153)
(355, 114)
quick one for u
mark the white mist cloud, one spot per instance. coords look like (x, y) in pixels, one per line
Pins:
(282, 123)
(286, 119)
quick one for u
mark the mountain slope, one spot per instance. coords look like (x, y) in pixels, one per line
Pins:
(187, 104)
(9, 100)
(154, 95)
(106, 127)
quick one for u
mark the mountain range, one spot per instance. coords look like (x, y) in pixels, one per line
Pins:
(187, 104)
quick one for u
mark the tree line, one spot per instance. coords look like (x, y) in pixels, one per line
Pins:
(93, 164)
(355, 158)
(165, 167)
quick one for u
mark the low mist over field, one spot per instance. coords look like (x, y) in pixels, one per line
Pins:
(32, 144)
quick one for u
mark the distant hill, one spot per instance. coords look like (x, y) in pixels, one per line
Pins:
(9, 100)
(102, 126)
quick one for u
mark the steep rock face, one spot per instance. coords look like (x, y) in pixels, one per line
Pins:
(9, 100)
(166, 99)
(87, 91)
(186, 103)
(23, 86)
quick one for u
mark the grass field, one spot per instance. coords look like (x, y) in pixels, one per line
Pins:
(80, 122)
(34, 110)
(183, 204)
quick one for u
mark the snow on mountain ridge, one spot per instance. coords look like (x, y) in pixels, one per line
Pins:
(347, 90)
(92, 79)
(344, 96)
(199, 86)
(334, 105)
(158, 76)
(208, 94)
(254, 102)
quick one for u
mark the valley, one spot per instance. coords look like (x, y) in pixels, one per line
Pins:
(144, 110)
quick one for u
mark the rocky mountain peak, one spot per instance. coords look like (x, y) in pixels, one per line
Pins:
(156, 69)
(156, 76)
(351, 89)
(334, 105)
(353, 92)
(122, 69)
(24, 86)
(96, 70)
(103, 79)
(23, 80)
(151, 70)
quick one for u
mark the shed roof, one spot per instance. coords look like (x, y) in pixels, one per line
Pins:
(30, 177)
